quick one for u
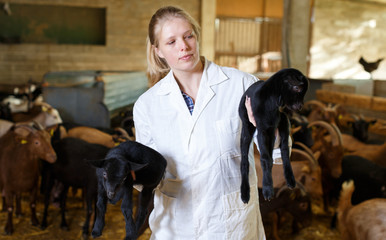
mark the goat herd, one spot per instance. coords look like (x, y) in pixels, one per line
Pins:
(43, 156)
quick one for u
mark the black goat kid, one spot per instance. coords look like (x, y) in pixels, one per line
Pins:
(125, 165)
(271, 100)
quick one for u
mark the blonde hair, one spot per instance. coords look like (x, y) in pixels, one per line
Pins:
(157, 67)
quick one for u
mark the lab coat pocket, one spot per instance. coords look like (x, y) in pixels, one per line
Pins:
(162, 216)
(242, 220)
(171, 187)
(228, 133)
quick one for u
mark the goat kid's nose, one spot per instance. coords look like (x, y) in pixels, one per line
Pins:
(110, 194)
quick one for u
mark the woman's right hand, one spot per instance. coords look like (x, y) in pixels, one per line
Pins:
(249, 110)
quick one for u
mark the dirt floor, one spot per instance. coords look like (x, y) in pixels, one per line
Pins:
(115, 225)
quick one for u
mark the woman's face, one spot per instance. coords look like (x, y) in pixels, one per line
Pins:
(178, 45)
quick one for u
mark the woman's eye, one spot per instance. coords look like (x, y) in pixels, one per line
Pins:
(190, 36)
(171, 42)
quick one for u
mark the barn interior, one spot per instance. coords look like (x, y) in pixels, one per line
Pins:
(87, 60)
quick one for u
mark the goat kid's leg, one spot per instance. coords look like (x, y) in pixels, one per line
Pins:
(284, 149)
(101, 206)
(34, 219)
(144, 201)
(90, 196)
(266, 140)
(127, 211)
(245, 142)
(8, 230)
(145, 225)
(63, 198)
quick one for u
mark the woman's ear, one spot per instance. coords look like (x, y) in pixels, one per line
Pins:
(158, 52)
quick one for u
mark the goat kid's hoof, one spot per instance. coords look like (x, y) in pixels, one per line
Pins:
(245, 194)
(96, 234)
(268, 193)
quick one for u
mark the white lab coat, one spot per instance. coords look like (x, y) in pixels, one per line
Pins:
(199, 197)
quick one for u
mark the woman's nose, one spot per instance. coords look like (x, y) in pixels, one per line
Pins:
(183, 46)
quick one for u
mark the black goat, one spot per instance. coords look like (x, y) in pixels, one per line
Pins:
(125, 165)
(369, 179)
(271, 100)
(304, 133)
(73, 169)
(296, 202)
(360, 127)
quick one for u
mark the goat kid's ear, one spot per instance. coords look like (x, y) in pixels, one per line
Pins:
(137, 166)
(99, 163)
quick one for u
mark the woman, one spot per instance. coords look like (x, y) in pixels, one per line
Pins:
(191, 117)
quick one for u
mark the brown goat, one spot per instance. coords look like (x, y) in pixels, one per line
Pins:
(324, 112)
(363, 221)
(21, 148)
(305, 166)
(331, 156)
(372, 152)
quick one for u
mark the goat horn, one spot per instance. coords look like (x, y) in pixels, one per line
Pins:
(316, 103)
(295, 130)
(37, 125)
(355, 117)
(305, 148)
(304, 118)
(122, 131)
(309, 157)
(338, 133)
(281, 189)
(331, 130)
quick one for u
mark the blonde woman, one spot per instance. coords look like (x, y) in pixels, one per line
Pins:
(190, 116)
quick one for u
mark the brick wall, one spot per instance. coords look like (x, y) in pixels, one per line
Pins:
(126, 30)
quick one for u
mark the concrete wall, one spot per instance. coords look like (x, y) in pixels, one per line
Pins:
(126, 30)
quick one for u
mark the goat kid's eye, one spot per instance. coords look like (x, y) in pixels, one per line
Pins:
(296, 88)
(105, 175)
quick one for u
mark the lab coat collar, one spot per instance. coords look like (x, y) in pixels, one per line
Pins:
(212, 75)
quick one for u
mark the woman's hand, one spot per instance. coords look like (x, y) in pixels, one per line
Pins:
(249, 110)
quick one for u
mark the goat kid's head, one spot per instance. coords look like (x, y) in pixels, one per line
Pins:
(294, 86)
(116, 173)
